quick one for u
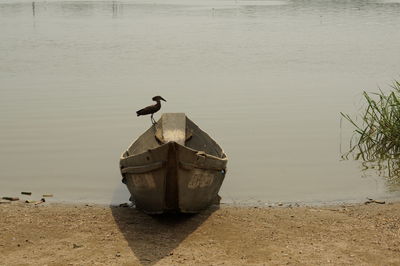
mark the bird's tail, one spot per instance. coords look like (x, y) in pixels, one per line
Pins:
(137, 113)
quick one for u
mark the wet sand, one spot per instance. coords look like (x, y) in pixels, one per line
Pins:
(60, 234)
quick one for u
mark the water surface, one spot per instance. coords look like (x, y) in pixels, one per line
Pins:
(266, 79)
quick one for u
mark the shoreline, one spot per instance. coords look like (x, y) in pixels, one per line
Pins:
(236, 203)
(80, 234)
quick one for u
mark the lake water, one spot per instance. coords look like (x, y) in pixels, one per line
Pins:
(266, 79)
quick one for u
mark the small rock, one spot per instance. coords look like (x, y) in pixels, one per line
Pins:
(76, 246)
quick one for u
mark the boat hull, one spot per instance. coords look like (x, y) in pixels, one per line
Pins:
(174, 178)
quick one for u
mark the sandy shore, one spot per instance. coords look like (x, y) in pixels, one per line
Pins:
(59, 234)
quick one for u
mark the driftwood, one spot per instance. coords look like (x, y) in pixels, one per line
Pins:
(36, 202)
(374, 201)
(11, 198)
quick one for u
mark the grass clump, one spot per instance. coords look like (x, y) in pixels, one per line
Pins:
(377, 137)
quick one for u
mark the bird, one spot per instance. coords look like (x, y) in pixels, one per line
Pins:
(151, 109)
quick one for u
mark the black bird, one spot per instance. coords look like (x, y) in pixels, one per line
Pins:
(152, 108)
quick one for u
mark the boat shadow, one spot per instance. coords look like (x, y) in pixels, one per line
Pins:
(154, 237)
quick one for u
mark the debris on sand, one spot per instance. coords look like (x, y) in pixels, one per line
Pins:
(41, 201)
(36, 202)
(374, 201)
(10, 198)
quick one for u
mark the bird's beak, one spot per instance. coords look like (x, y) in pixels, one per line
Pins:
(163, 99)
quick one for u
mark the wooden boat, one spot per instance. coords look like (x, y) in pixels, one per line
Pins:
(173, 167)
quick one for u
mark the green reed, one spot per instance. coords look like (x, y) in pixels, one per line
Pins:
(377, 137)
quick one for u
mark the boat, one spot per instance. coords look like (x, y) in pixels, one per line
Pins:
(173, 167)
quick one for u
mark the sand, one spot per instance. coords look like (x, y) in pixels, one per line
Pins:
(62, 234)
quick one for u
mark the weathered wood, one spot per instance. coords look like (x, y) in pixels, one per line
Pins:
(173, 166)
(171, 186)
(143, 169)
(10, 198)
(174, 127)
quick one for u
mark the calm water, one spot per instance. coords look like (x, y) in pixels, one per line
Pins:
(266, 79)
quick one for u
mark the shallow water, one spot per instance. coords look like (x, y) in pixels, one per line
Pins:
(266, 79)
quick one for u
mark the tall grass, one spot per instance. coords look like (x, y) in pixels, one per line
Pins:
(377, 137)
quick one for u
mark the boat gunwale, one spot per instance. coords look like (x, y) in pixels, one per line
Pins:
(225, 158)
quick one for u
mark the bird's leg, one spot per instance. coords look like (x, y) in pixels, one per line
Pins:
(152, 119)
